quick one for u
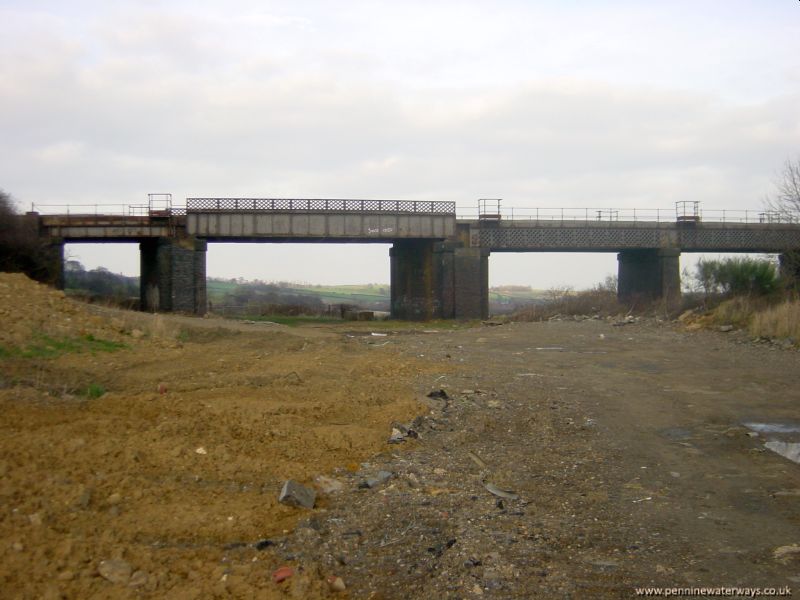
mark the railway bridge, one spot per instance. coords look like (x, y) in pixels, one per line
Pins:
(439, 262)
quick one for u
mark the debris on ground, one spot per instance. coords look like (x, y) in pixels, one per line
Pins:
(281, 574)
(381, 477)
(115, 570)
(493, 489)
(296, 494)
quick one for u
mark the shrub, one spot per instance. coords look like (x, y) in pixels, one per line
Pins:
(738, 276)
(21, 249)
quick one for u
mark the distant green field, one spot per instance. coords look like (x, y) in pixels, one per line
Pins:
(516, 296)
(220, 290)
(371, 294)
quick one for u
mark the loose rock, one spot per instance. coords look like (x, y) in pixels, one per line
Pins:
(381, 477)
(282, 574)
(115, 570)
(336, 584)
(138, 579)
(295, 494)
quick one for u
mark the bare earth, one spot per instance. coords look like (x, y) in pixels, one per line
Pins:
(625, 446)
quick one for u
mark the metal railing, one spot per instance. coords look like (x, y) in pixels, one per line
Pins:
(319, 204)
(634, 215)
(509, 213)
(92, 210)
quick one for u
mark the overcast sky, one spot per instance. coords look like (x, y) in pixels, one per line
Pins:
(550, 103)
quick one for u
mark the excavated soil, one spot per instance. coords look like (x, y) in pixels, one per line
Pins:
(554, 460)
(184, 452)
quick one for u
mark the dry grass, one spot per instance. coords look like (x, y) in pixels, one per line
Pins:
(780, 321)
(737, 311)
(588, 302)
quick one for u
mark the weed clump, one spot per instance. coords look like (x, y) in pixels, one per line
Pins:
(94, 391)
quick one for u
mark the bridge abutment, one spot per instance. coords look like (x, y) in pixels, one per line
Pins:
(645, 275)
(173, 275)
(54, 258)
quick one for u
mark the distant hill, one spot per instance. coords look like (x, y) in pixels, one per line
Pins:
(239, 297)
(236, 296)
(100, 284)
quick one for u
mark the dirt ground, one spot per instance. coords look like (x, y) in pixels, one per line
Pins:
(624, 446)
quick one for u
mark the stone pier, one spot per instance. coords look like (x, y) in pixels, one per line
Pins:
(414, 295)
(649, 274)
(173, 275)
(789, 268)
(438, 280)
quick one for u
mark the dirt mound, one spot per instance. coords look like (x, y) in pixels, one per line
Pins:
(160, 446)
(32, 312)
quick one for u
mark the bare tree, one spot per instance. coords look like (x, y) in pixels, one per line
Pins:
(786, 201)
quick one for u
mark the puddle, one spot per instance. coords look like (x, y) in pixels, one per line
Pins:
(676, 433)
(773, 427)
(787, 447)
(790, 450)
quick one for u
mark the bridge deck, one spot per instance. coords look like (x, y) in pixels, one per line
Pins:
(343, 221)
(613, 236)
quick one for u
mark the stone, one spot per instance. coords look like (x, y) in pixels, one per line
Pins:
(381, 477)
(397, 436)
(84, 498)
(138, 579)
(282, 574)
(785, 554)
(725, 328)
(114, 499)
(336, 584)
(263, 544)
(115, 570)
(296, 494)
(328, 485)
